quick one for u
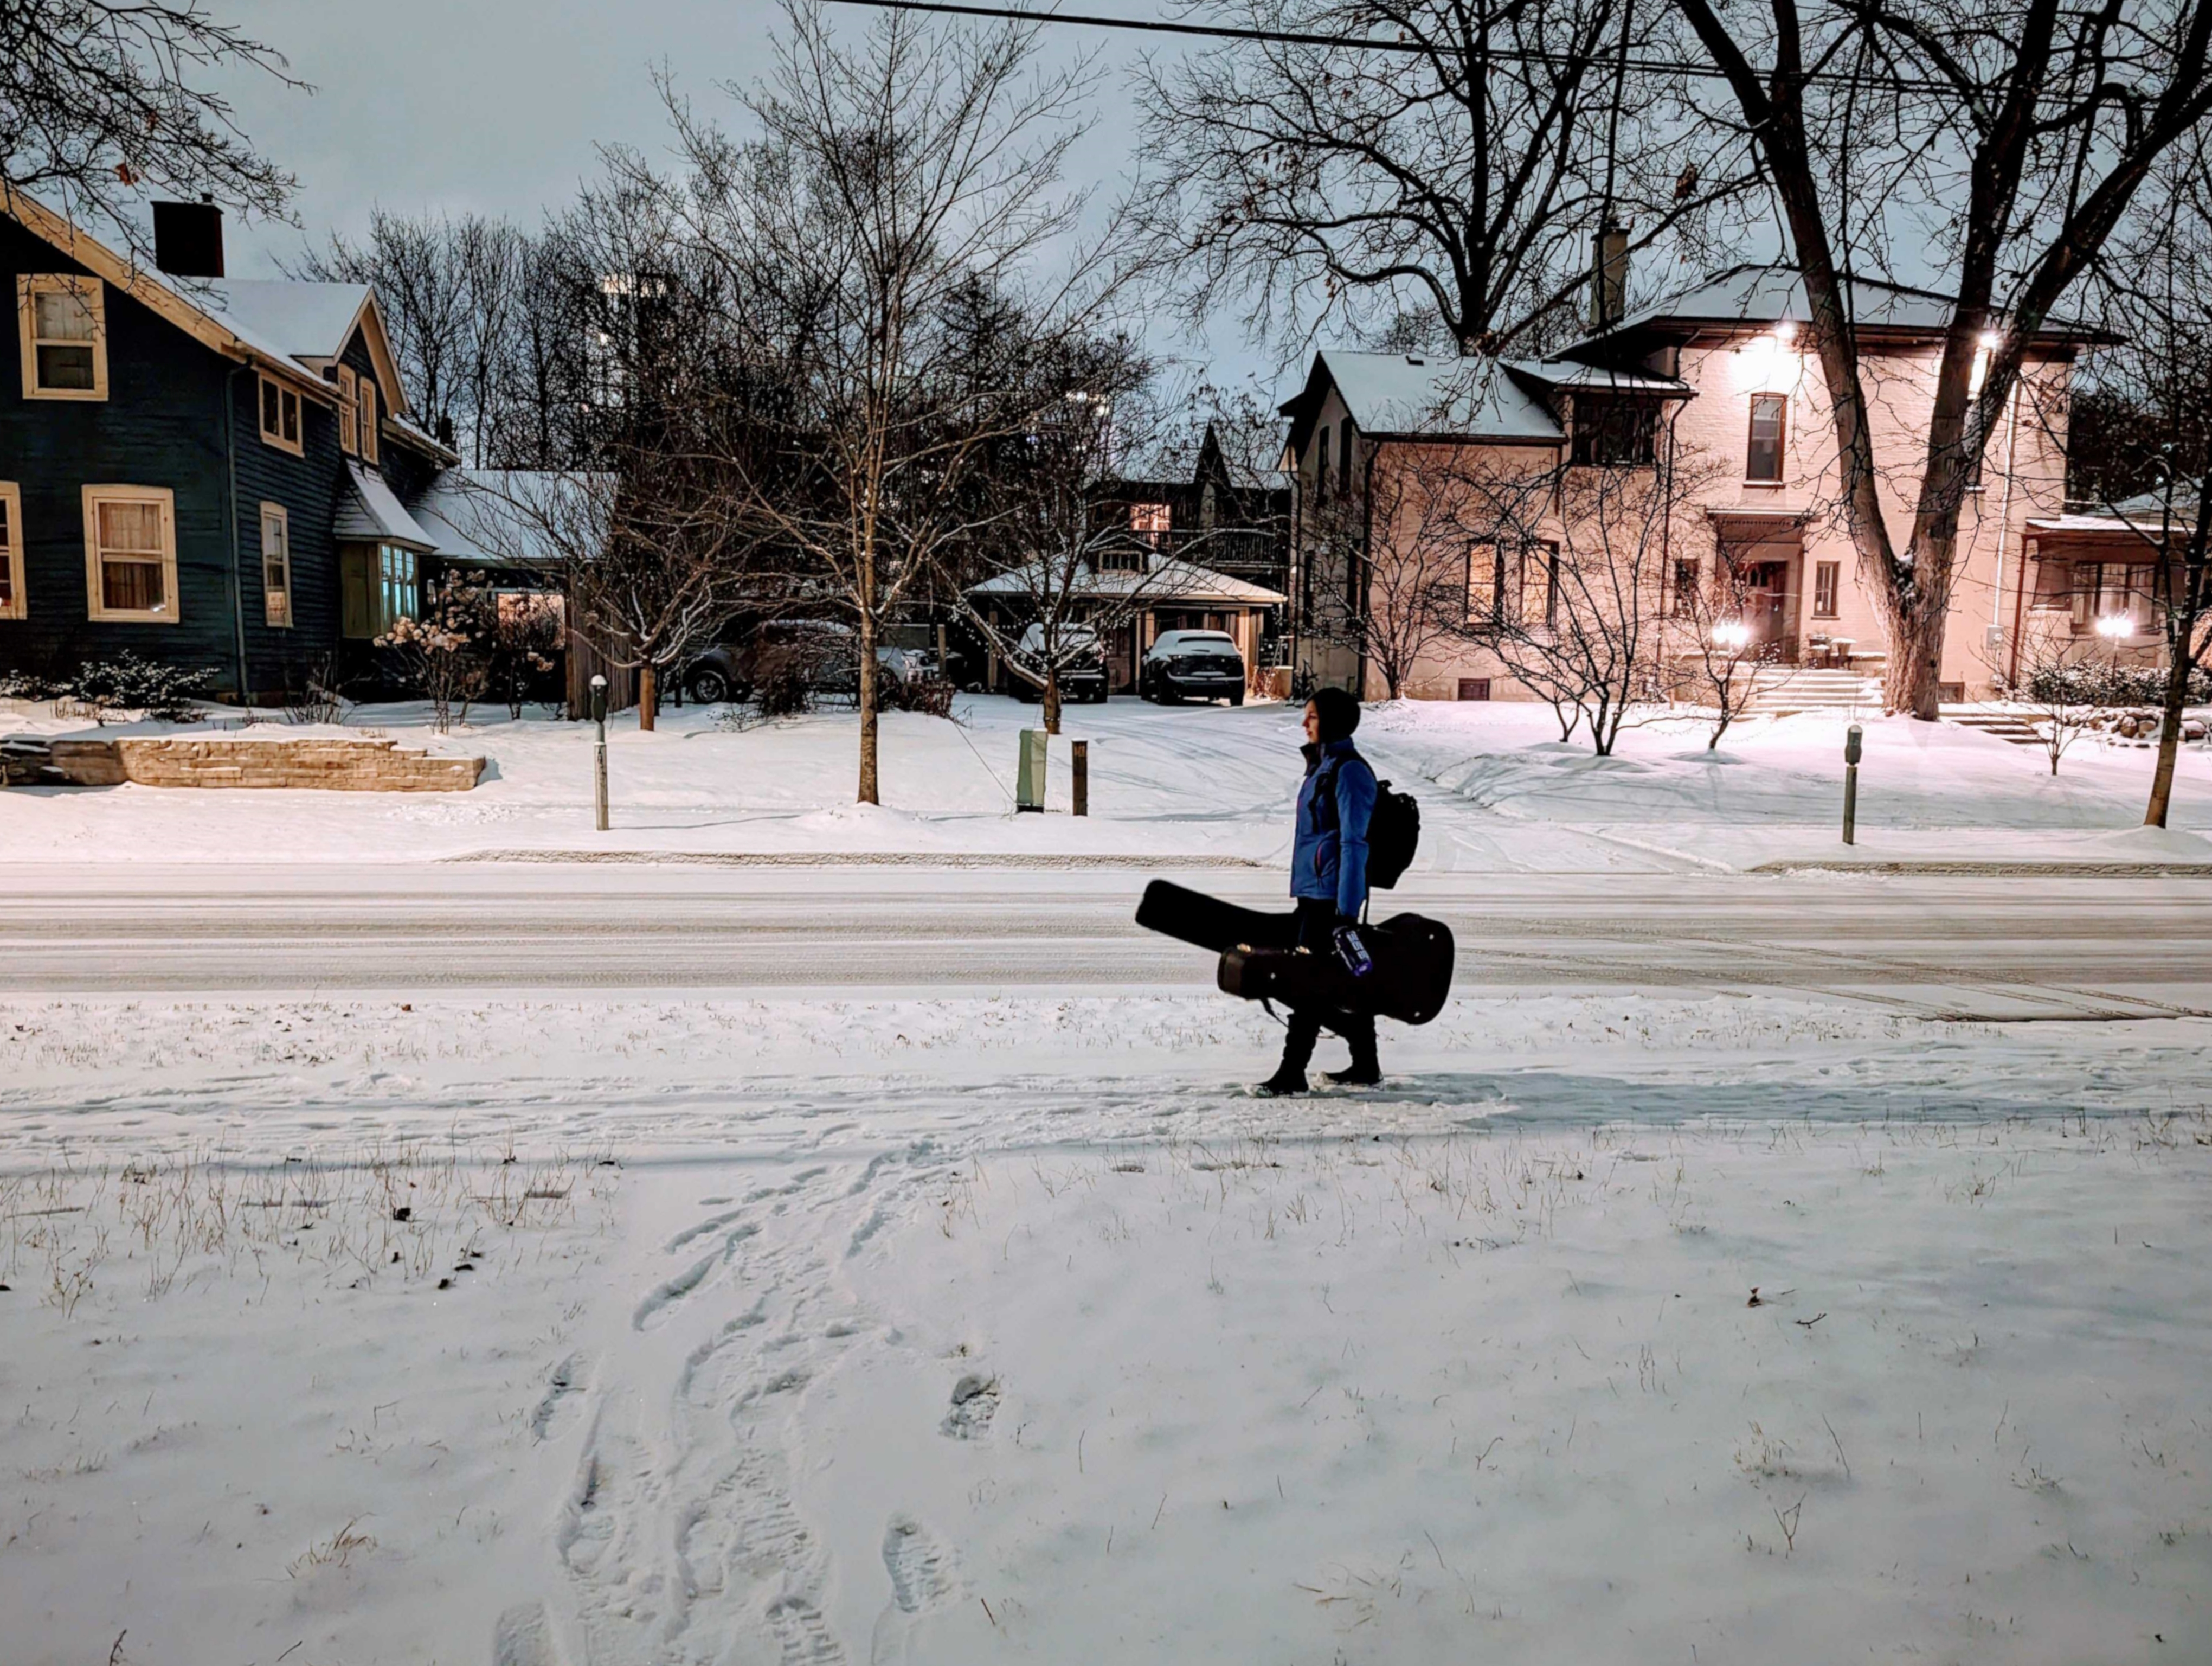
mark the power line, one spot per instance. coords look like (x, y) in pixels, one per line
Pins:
(1366, 42)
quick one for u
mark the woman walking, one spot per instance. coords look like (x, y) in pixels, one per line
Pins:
(1329, 882)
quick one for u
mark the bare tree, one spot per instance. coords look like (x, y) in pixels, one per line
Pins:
(2003, 147)
(1708, 606)
(102, 101)
(2058, 680)
(1449, 163)
(900, 203)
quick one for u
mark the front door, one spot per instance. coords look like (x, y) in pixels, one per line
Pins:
(1766, 589)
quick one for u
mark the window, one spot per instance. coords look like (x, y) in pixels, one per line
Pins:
(11, 552)
(1320, 469)
(2114, 589)
(1474, 688)
(1615, 433)
(1827, 583)
(1539, 584)
(1344, 457)
(1763, 455)
(1150, 521)
(130, 554)
(366, 386)
(378, 586)
(280, 417)
(1486, 584)
(349, 410)
(276, 565)
(1682, 604)
(64, 326)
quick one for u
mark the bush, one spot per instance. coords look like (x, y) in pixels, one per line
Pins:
(2091, 684)
(27, 685)
(931, 696)
(129, 684)
(783, 685)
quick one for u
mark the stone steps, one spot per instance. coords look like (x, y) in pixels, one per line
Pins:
(1780, 694)
(2005, 725)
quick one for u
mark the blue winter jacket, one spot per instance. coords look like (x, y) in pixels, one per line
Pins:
(1328, 857)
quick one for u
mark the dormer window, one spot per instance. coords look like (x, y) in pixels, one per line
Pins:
(63, 322)
(366, 403)
(280, 417)
(349, 412)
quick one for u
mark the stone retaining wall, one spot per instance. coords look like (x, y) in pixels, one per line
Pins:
(351, 766)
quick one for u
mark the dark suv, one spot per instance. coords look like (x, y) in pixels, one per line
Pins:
(1082, 664)
(1193, 665)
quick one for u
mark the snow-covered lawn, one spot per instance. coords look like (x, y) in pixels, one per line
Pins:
(1502, 791)
(956, 1330)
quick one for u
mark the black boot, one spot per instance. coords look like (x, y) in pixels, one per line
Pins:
(1366, 1070)
(1299, 1035)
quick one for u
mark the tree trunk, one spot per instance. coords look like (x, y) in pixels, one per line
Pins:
(648, 697)
(1909, 681)
(1051, 700)
(2169, 734)
(868, 793)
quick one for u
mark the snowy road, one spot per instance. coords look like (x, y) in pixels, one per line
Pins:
(1996, 947)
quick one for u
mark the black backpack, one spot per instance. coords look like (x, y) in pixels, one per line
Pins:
(1394, 833)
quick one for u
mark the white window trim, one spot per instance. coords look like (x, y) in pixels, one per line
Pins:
(349, 412)
(283, 518)
(297, 446)
(94, 497)
(11, 553)
(91, 289)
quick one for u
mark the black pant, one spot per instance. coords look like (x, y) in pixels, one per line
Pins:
(1316, 926)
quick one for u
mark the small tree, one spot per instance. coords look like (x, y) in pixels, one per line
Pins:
(1710, 605)
(442, 654)
(2059, 682)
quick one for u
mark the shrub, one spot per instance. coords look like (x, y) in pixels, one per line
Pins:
(931, 696)
(783, 685)
(2092, 685)
(128, 683)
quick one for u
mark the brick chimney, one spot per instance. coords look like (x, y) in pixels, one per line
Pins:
(188, 239)
(1608, 274)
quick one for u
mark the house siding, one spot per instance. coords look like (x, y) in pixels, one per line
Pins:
(162, 424)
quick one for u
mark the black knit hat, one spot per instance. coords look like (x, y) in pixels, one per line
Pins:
(1337, 712)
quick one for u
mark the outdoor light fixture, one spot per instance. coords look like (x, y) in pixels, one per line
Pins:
(2116, 628)
(1785, 330)
(1734, 635)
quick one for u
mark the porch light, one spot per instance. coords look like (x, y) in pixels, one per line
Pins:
(1785, 332)
(2115, 628)
(1733, 634)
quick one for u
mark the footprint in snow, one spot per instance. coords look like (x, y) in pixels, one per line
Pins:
(571, 1376)
(921, 1566)
(975, 1400)
(524, 1636)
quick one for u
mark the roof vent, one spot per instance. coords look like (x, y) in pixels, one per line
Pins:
(188, 239)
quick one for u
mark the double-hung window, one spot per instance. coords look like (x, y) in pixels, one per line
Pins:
(1485, 584)
(12, 603)
(130, 554)
(63, 322)
(1763, 452)
(1539, 584)
(280, 417)
(1827, 584)
(365, 387)
(276, 566)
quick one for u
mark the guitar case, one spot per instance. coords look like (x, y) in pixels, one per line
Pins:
(1260, 960)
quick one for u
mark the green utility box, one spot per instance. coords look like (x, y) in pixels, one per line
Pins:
(1028, 774)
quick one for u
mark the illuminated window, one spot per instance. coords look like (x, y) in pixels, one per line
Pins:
(276, 565)
(1150, 521)
(130, 554)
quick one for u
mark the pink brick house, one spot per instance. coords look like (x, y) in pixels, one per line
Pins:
(1709, 385)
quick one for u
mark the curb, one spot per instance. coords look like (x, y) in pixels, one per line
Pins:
(859, 859)
(2029, 869)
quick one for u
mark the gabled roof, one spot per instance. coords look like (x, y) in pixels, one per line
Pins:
(292, 329)
(203, 323)
(1416, 395)
(1764, 295)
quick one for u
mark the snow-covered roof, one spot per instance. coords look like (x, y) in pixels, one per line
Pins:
(501, 516)
(1166, 580)
(303, 321)
(1414, 394)
(369, 513)
(1598, 378)
(1768, 295)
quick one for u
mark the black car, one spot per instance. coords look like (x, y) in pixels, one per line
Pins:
(1193, 665)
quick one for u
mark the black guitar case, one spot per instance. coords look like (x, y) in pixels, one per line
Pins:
(1410, 981)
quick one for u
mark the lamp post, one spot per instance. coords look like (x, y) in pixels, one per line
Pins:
(599, 752)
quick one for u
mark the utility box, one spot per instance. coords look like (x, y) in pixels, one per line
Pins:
(1028, 772)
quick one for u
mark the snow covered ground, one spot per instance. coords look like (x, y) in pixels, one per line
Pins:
(1502, 793)
(530, 1264)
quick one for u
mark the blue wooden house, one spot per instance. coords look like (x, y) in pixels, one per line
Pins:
(214, 473)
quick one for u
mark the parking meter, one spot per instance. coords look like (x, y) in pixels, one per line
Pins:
(1852, 738)
(599, 752)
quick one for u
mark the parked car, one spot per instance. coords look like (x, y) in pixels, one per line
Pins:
(1192, 665)
(1082, 663)
(821, 653)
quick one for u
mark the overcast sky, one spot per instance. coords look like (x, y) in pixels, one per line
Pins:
(496, 106)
